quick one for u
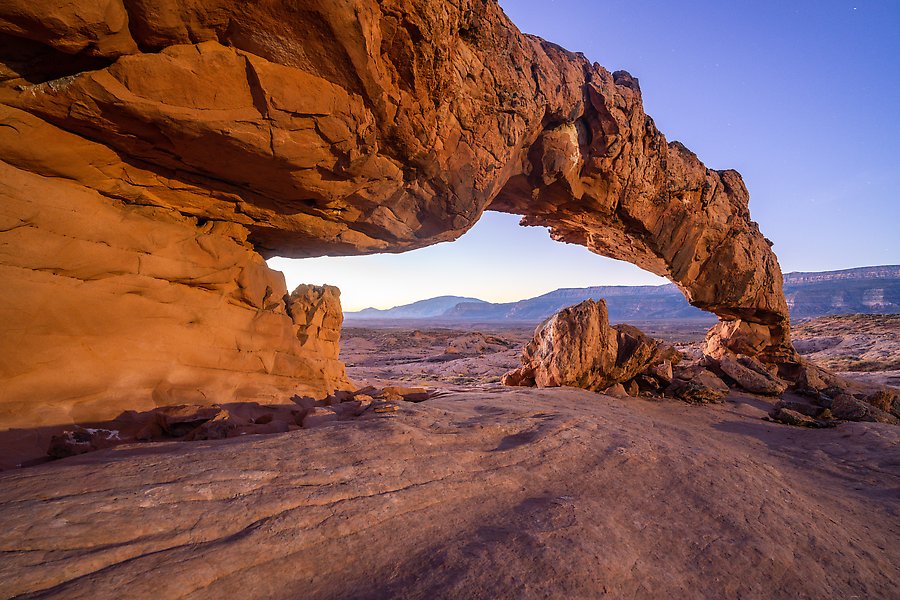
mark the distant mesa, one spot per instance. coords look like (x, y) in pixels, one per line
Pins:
(866, 290)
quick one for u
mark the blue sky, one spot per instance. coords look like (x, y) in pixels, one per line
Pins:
(802, 97)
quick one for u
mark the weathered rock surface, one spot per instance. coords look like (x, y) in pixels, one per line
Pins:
(509, 494)
(796, 418)
(862, 347)
(188, 422)
(154, 152)
(845, 406)
(578, 347)
(750, 375)
(697, 385)
(845, 398)
(111, 306)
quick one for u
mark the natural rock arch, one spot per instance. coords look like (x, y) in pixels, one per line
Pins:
(154, 152)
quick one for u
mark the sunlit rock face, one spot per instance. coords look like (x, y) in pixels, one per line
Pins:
(155, 152)
(577, 347)
(108, 306)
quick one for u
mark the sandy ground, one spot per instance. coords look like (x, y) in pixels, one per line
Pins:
(479, 492)
(437, 357)
(457, 357)
(862, 347)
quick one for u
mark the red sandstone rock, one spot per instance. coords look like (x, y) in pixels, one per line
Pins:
(154, 152)
(798, 419)
(577, 347)
(617, 390)
(409, 394)
(549, 494)
(751, 376)
(849, 408)
(662, 371)
(80, 441)
(318, 416)
(694, 391)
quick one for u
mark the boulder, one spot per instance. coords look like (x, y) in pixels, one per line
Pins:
(694, 392)
(661, 371)
(81, 440)
(885, 400)
(178, 421)
(577, 347)
(792, 417)
(696, 385)
(633, 389)
(804, 408)
(523, 376)
(811, 380)
(409, 394)
(220, 426)
(616, 390)
(751, 376)
(848, 408)
(648, 384)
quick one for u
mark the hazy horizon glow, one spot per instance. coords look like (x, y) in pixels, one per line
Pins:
(497, 260)
(801, 97)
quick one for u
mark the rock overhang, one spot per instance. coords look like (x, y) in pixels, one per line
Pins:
(369, 127)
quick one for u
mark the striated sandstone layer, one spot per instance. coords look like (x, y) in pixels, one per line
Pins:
(109, 306)
(207, 135)
(497, 493)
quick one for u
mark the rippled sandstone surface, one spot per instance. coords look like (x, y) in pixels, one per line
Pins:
(492, 493)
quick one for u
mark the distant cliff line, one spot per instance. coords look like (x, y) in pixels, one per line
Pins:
(877, 272)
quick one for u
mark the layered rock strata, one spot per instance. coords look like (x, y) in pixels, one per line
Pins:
(187, 140)
(110, 306)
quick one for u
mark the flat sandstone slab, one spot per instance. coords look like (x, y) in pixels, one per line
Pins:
(499, 493)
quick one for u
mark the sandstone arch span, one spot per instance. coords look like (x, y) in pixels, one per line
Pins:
(155, 152)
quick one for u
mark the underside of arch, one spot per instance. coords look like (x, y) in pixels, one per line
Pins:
(154, 153)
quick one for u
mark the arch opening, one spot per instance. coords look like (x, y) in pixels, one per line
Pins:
(497, 261)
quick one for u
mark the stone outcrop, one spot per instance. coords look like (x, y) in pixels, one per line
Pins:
(697, 385)
(110, 306)
(798, 419)
(578, 347)
(154, 152)
(844, 398)
(750, 375)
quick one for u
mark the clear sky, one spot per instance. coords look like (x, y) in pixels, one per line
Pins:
(802, 97)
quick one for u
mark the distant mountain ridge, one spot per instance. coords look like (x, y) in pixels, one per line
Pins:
(423, 309)
(624, 303)
(860, 290)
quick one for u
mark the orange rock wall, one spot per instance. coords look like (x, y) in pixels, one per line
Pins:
(206, 135)
(108, 306)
